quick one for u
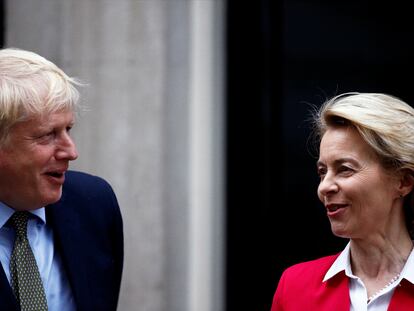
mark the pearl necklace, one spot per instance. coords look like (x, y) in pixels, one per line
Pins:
(392, 281)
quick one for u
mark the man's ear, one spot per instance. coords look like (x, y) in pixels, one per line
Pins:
(406, 184)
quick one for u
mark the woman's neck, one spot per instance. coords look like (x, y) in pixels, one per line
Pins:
(380, 256)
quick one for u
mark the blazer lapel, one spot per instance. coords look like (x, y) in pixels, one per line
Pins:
(68, 241)
(403, 297)
(334, 294)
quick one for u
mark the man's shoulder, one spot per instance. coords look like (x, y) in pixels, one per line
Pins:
(85, 185)
(84, 191)
(72, 175)
(82, 179)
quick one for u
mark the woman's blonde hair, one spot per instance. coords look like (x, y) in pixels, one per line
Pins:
(32, 85)
(385, 122)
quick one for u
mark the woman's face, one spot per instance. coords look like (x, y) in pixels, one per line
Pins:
(358, 193)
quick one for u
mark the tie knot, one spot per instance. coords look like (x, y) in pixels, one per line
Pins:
(19, 223)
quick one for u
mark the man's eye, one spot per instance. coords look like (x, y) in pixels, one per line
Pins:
(345, 169)
(47, 135)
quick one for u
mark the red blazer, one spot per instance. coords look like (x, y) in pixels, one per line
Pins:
(301, 289)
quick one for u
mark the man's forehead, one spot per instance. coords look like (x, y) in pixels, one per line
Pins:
(46, 120)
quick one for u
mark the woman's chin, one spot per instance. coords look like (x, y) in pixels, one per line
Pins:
(340, 232)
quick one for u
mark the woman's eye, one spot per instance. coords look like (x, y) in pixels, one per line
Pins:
(321, 172)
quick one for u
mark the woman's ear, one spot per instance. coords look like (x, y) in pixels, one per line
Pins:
(406, 184)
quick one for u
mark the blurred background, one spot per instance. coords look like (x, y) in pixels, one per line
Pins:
(197, 113)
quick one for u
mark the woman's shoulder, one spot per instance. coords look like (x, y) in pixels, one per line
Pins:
(301, 287)
(314, 267)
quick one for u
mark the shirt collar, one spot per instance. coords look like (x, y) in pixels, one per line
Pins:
(6, 212)
(408, 270)
(343, 263)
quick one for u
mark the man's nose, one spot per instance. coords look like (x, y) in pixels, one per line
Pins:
(66, 148)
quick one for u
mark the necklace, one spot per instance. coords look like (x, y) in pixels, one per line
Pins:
(392, 281)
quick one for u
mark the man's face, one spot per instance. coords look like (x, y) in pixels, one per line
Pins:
(34, 160)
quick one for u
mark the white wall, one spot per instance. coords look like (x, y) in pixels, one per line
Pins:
(153, 129)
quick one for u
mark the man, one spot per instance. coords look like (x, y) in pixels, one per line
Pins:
(74, 255)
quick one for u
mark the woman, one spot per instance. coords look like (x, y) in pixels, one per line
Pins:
(366, 169)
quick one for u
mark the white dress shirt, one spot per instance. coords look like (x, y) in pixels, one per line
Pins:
(40, 236)
(357, 289)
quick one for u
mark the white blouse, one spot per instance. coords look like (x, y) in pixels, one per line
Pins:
(357, 290)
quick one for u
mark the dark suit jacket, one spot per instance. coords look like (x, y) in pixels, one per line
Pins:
(88, 234)
(301, 288)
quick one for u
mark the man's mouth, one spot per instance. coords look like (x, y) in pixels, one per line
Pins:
(54, 174)
(57, 174)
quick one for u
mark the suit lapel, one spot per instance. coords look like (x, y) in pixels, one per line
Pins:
(68, 241)
(7, 299)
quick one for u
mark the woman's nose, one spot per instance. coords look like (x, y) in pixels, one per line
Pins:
(328, 185)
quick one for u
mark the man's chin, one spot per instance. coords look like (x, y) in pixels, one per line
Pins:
(51, 197)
